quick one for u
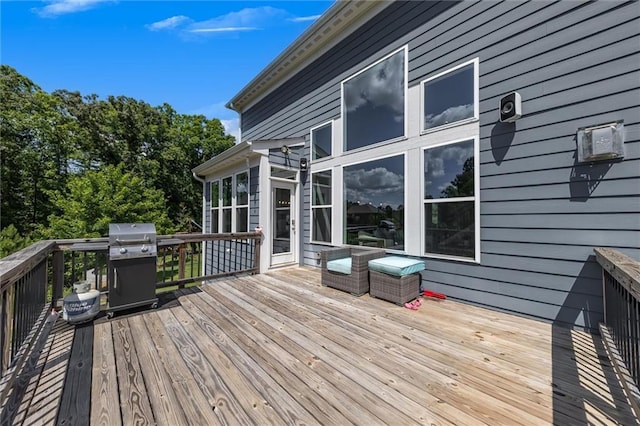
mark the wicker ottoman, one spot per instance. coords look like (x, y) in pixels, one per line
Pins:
(399, 290)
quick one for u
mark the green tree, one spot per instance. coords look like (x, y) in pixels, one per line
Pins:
(11, 241)
(34, 150)
(97, 198)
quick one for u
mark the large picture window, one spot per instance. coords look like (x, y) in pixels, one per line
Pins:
(374, 203)
(321, 141)
(450, 97)
(373, 103)
(449, 200)
(321, 206)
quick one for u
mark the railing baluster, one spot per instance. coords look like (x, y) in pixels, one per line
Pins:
(621, 328)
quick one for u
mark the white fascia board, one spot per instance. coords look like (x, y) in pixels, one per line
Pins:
(222, 161)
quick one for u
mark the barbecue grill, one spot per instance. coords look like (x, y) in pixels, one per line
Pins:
(132, 266)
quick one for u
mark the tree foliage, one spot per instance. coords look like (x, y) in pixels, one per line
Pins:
(64, 145)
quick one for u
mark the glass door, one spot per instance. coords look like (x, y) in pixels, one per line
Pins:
(283, 223)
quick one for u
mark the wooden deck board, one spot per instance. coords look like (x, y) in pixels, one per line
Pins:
(279, 348)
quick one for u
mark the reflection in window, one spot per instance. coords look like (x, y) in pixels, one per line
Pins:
(321, 141)
(449, 200)
(374, 203)
(449, 98)
(226, 191)
(215, 206)
(242, 202)
(374, 103)
(321, 206)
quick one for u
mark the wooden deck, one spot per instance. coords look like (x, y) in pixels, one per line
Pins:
(278, 348)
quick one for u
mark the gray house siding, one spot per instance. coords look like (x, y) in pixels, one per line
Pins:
(575, 64)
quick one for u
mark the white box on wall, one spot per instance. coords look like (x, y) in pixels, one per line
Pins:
(601, 142)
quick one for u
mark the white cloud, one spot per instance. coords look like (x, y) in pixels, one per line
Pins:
(228, 118)
(248, 19)
(305, 18)
(62, 7)
(169, 23)
(449, 115)
(222, 30)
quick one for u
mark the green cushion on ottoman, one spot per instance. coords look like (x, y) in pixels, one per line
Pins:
(395, 265)
(342, 266)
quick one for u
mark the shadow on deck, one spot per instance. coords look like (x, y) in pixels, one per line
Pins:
(278, 348)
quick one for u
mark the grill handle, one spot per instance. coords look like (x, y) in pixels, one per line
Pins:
(115, 279)
(140, 241)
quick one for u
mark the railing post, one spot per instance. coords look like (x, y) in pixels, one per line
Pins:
(257, 250)
(182, 250)
(58, 277)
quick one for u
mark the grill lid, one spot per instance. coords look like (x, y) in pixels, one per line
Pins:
(127, 240)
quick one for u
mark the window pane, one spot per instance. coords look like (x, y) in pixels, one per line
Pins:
(449, 171)
(322, 188)
(374, 203)
(242, 219)
(449, 98)
(321, 138)
(214, 221)
(226, 191)
(242, 189)
(373, 103)
(215, 193)
(321, 230)
(226, 220)
(450, 228)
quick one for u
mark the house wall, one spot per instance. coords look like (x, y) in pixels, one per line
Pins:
(575, 64)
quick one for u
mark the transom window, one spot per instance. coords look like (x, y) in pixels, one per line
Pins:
(374, 203)
(373, 102)
(450, 200)
(450, 97)
(321, 206)
(321, 141)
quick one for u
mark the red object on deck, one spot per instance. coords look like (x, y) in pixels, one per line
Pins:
(430, 293)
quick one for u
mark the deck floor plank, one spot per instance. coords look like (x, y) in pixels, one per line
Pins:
(45, 404)
(105, 402)
(283, 394)
(223, 401)
(368, 381)
(399, 362)
(279, 348)
(166, 406)
(134, 400)
(75, 405)
(195, 400)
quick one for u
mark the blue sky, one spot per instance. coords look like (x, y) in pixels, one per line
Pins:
(193, 55)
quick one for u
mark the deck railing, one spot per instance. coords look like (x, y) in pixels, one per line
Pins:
(621, 328)
(32, 281)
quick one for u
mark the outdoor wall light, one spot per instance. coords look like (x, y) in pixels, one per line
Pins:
(601, 142)
(303, 164)
(285, 150)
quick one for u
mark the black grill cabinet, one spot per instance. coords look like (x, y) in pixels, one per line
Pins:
(133, 254)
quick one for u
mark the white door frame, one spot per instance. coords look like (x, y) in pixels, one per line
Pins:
(290, 257)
